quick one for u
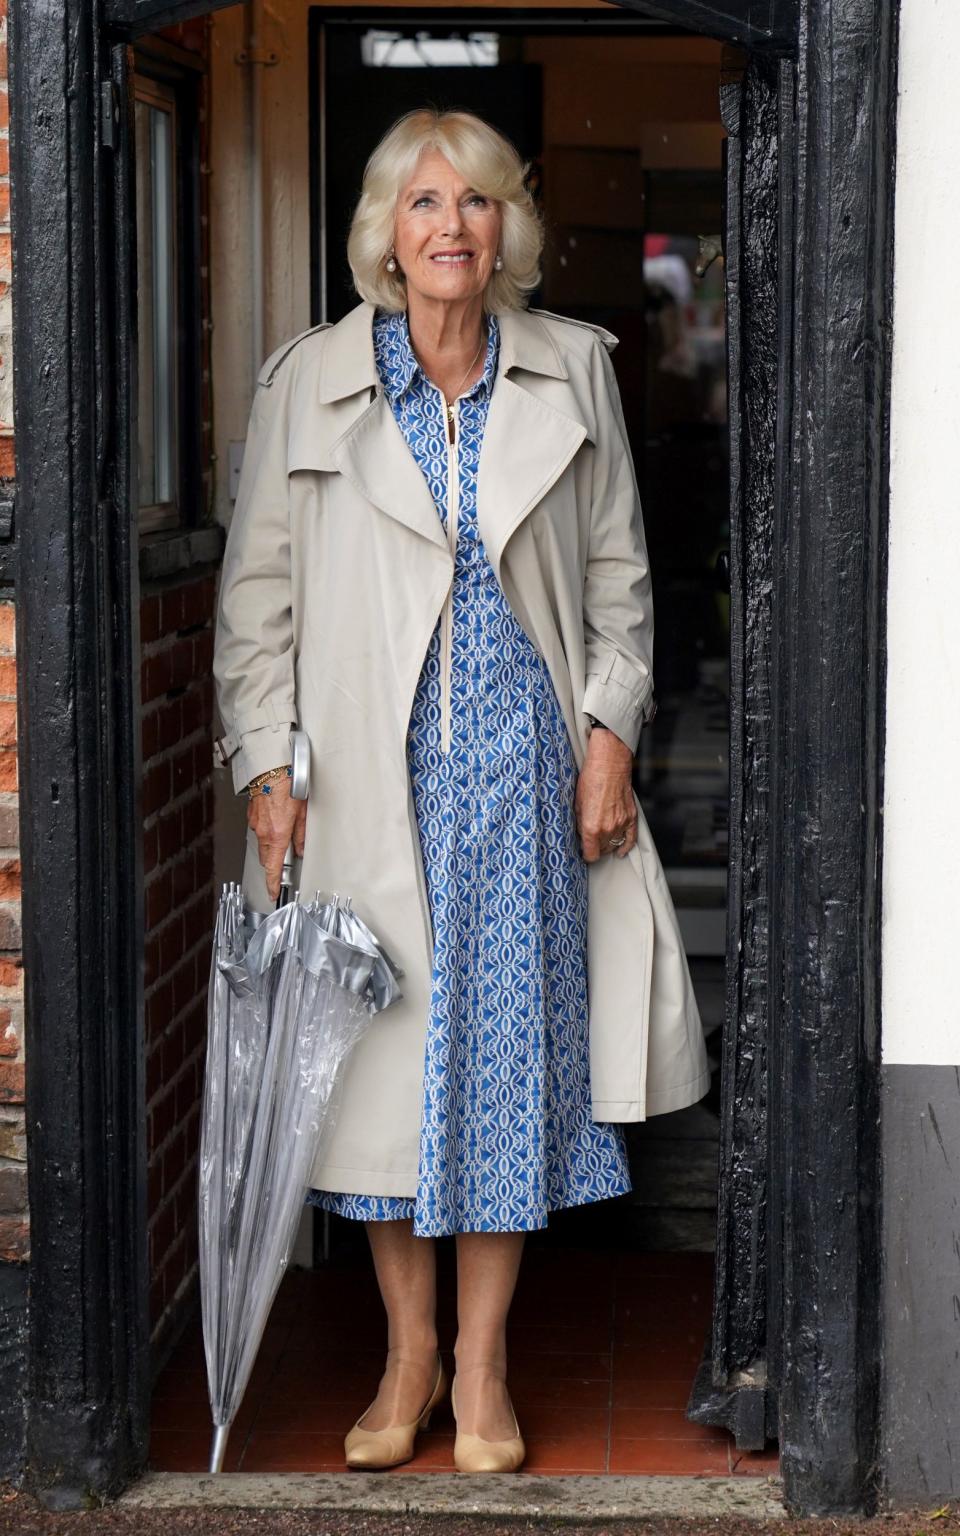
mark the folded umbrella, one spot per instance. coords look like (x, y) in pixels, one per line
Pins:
(290, 994)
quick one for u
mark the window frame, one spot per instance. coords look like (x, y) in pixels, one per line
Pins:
(168, 76)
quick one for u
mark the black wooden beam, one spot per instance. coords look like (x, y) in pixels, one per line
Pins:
(132, 18)
(827, 786)
(756, 24)
(86, 1393)
(753, 328)
(734, 1386)
(750, 23)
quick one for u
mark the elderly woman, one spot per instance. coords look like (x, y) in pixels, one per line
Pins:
(436, 567)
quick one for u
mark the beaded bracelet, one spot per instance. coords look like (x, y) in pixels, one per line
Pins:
(261, 784)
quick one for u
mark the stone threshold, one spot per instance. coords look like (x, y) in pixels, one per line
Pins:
(501, 1496)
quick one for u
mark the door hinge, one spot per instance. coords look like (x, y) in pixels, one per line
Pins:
(109, 115)
(264, 56)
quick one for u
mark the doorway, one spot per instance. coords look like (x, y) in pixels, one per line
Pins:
(620, 123)
(808, 182)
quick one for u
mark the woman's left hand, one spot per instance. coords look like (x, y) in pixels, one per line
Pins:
(604, 804)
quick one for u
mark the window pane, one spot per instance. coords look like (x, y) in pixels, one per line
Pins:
(156, 303)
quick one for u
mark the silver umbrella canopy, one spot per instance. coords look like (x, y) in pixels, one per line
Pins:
(290, 994)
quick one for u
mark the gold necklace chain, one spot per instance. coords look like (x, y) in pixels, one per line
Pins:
(449, 404)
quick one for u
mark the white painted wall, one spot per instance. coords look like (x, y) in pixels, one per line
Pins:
(921, 854)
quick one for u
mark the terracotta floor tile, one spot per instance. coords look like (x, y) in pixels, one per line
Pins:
(191, 1417)
(664, 1327)
(560, 1304)
(692, 1266)
(308, 1452)
(648, 1288)
(651, 1392)
(331, 1347)
(293, 1452)
(322, 1371)
(181, 1450)
(288, 1413)
(671, 1358)
(574, 1393)
(555, 1338)
(566, 1453)
(661, 1424)
(585, 1365)
(183, 1385)
(586, 1329)
(187, 1355)
(561, 1418)
(190, 1414)
(654, 1310)
(434, 1453)
(575, 1268)
(755, 1463)
(174, 1450)
(583, 1317)
(704, 1458)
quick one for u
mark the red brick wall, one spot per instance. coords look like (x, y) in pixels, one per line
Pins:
(14, 1224)
(177, 739)
(14, 1221)
(177, 736)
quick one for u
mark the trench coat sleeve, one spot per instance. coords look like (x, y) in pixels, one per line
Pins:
(617, 596)
(253, 656)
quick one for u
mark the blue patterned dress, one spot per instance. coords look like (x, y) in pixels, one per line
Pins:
(506, 1132)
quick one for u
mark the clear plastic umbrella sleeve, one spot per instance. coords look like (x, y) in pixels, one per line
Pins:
(289, 997)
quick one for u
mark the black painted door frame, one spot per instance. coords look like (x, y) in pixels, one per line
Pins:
(812, 148)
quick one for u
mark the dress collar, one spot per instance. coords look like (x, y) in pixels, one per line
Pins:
(397, 362)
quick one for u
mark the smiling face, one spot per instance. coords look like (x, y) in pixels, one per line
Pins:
(446, 234)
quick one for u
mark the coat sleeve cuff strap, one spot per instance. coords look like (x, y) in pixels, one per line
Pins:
(620, 695)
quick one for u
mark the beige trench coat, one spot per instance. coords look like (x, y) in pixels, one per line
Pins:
(335, 575)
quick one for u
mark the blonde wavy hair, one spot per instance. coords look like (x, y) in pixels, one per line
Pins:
(484, 158)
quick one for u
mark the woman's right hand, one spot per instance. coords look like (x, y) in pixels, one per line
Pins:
(277, 819)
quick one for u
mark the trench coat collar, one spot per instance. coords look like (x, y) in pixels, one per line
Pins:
(349, 364)
(527, 443)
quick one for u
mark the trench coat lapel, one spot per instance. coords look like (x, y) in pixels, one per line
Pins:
(369, 449)
(374, 457)
(527, 443)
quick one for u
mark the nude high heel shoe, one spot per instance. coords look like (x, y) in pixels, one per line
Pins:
(376, 1449)
(471, 1453)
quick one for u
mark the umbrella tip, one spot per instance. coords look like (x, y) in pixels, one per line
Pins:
(219, 1449)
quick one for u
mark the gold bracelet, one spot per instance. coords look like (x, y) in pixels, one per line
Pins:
(261, 784)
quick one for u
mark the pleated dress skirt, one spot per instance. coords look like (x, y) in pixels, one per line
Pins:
(506, 1133)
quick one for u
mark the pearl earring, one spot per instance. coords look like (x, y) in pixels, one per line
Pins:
(498, 264)
(391, 262)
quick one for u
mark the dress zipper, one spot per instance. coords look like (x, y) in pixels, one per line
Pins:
(446, 617)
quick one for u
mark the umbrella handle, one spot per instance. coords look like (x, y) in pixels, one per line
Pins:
(300, 765)
(299, 790)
